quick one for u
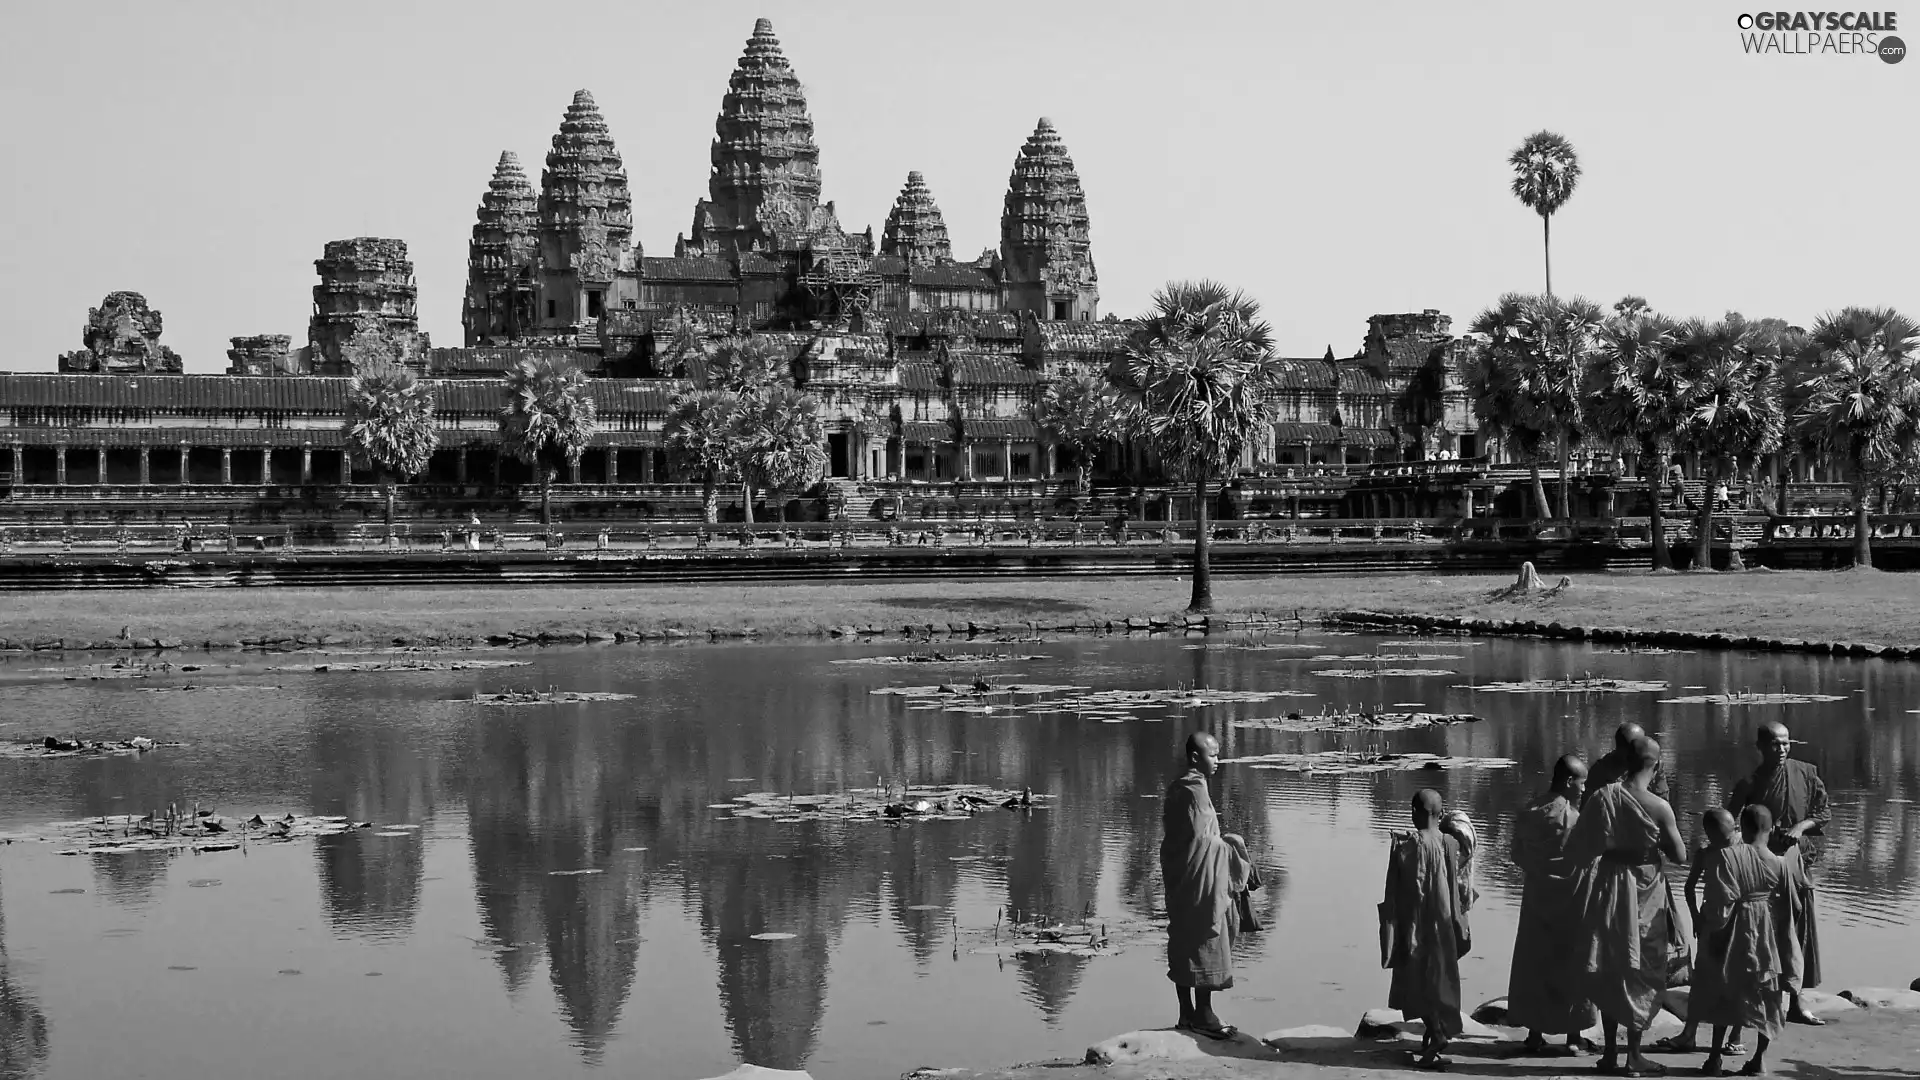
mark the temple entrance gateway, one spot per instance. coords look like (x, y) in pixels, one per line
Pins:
(837, 456)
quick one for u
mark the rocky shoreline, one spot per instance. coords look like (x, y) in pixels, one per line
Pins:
(1397, 622)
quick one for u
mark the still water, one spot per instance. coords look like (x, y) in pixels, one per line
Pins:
(458, 950)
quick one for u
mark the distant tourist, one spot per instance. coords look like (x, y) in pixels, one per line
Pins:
(1627, 908)
(1205, 875)
(1720, 496)
(1424, 928)
(1545, 988)
(1794, 793)
(1748, 954)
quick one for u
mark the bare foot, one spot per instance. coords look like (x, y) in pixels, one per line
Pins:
(1640, 1066)
(1714, 1066)
(1800, 1016)
(1753, 1067)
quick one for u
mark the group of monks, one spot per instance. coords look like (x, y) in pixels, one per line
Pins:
(1601, 938)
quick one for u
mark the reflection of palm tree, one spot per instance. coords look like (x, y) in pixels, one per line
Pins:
(920, 874)
(25, 1040)
(130, 877)
(366, 769)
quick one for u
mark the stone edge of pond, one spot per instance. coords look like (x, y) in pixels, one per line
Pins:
(1620, 635)
(1155, 624)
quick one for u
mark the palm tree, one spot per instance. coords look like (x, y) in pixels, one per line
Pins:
(390, 425)
(700, 430)
(1545, 170)
(741, 363)
(547, 421)
(1863, 404)
(778, 442)
(1526, 380)
(1636, 393)
(1082, 412)
(1200, 367)
(1732, 404)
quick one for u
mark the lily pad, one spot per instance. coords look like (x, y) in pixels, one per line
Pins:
(356, 666)
(55, 747)
(1369, 673)
(1590, 684)
(1352, 721)
(575, 873)
(938, 658)
(943, 802)
(541, 697)
(1341, 762)
(775, 936)
(1745, 698)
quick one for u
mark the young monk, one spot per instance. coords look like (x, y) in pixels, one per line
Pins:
(1627, 909)
(1747, 940)
(1721, 834)
(1426, 911)
(1204, 871)
(1545, 993)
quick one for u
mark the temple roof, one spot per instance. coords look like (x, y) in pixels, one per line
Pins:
(583, 190)
(977, 369)
(1045, 211)
(765, 180)
(685, 268)
(953, 276)
(915, 229)
(292, 394)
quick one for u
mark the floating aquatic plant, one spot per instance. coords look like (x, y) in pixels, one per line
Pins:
(1589, 684)
(1341, 762)
(939, 802)
(1352, 721)
(1368, 673)
(1746, 697)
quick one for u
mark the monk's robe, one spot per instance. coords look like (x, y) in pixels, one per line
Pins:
(1545, 988)
(1795, 793)
(1203, 874)
(1748, 953)
(1425, 908)
(1627, 928)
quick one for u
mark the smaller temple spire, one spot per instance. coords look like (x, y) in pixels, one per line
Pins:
(915, 230)
(500, 256)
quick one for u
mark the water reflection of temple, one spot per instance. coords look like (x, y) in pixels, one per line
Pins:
(25, 1039)
(369, 769)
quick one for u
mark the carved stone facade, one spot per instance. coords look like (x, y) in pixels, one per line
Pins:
(122, 337)
(915, 230)
(268, 354)
(365, 307)
(586, 221)
(502, 256)
(1044, 239)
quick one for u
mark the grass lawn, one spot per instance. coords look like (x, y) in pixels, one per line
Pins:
(1849, 605)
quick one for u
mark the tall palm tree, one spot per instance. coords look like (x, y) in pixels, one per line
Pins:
(1636, 393)
(1732, 402)
(1200, 367)
(390, 425)
(778, 442)
(700, 432)
(547, 421)
(1083, 413)
(1526, 380)
(1545, 170)
(1863, 403)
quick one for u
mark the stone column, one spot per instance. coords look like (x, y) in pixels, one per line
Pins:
(1050, 455)
(19, 465)
(460, 465)
(613, 465)
(573, 471)
(646, 466)
(100, 465)
(346, 468)
(266, 465)
(1006, 459)
(965, 471)
(1466, 502)
(306, 465)
(146, 468)
(60, 465)
(185, 453)
(226, 464)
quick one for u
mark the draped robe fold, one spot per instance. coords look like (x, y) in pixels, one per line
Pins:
(1794, 793)
(1426, 898)
(1545, 988)
(1627, 925)
(1748, 952)
(1202, 872)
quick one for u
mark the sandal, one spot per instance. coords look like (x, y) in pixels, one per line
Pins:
(1672, 1045)
(1219, 1034)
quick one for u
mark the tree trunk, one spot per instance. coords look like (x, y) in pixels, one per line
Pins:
(1703, 521)
(746, 501)
(709, 498)
(546, 499)
(1566, 481)
(1084, 466)
(1546, 246)
(1862, 524)
(1202, 567)
(1539, 488)
(380, 476)
(1657, 514)
(390, 488)
(1779, 487)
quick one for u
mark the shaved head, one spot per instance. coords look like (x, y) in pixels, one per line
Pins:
(1201, 741)
(1624, 735)
(1569, 767)
(1644, 753)
(1427, 806)
(1203, 753)
(1755, 818)
(1719, 823)
(1774, 742)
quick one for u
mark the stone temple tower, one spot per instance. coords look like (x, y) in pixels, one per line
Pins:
(586, 221)
(1043, 234)
(764, 190)
(501, 258)
(915, 230)
(122, 337)
(365, 308)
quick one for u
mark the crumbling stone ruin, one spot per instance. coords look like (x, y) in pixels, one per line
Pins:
(365, 308)
(122, 337)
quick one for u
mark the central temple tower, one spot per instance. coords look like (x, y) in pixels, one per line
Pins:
(1043, 234)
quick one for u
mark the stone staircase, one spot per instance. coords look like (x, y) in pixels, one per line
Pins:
(848, 499)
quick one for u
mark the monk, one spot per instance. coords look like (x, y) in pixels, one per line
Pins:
(1627, 924)
(1748, 952)
(1615, 765)
(1204, 873)
(1545, 992)
(1425, 916)
(1793, 792)
(1721, 833)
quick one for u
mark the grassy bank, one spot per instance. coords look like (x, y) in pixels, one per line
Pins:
(1863, 606)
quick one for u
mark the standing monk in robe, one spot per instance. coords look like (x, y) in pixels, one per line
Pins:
(1617, 764)
(1425, 913)
(1626, 905)
(1747, 941)
(1204, 873)
(1793, 792)
(1546, 993)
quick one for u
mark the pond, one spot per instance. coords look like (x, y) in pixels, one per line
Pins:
(575, 896)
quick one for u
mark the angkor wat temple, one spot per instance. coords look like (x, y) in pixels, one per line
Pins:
(927, 366)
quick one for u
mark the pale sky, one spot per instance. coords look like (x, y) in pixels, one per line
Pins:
(1333, 159)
